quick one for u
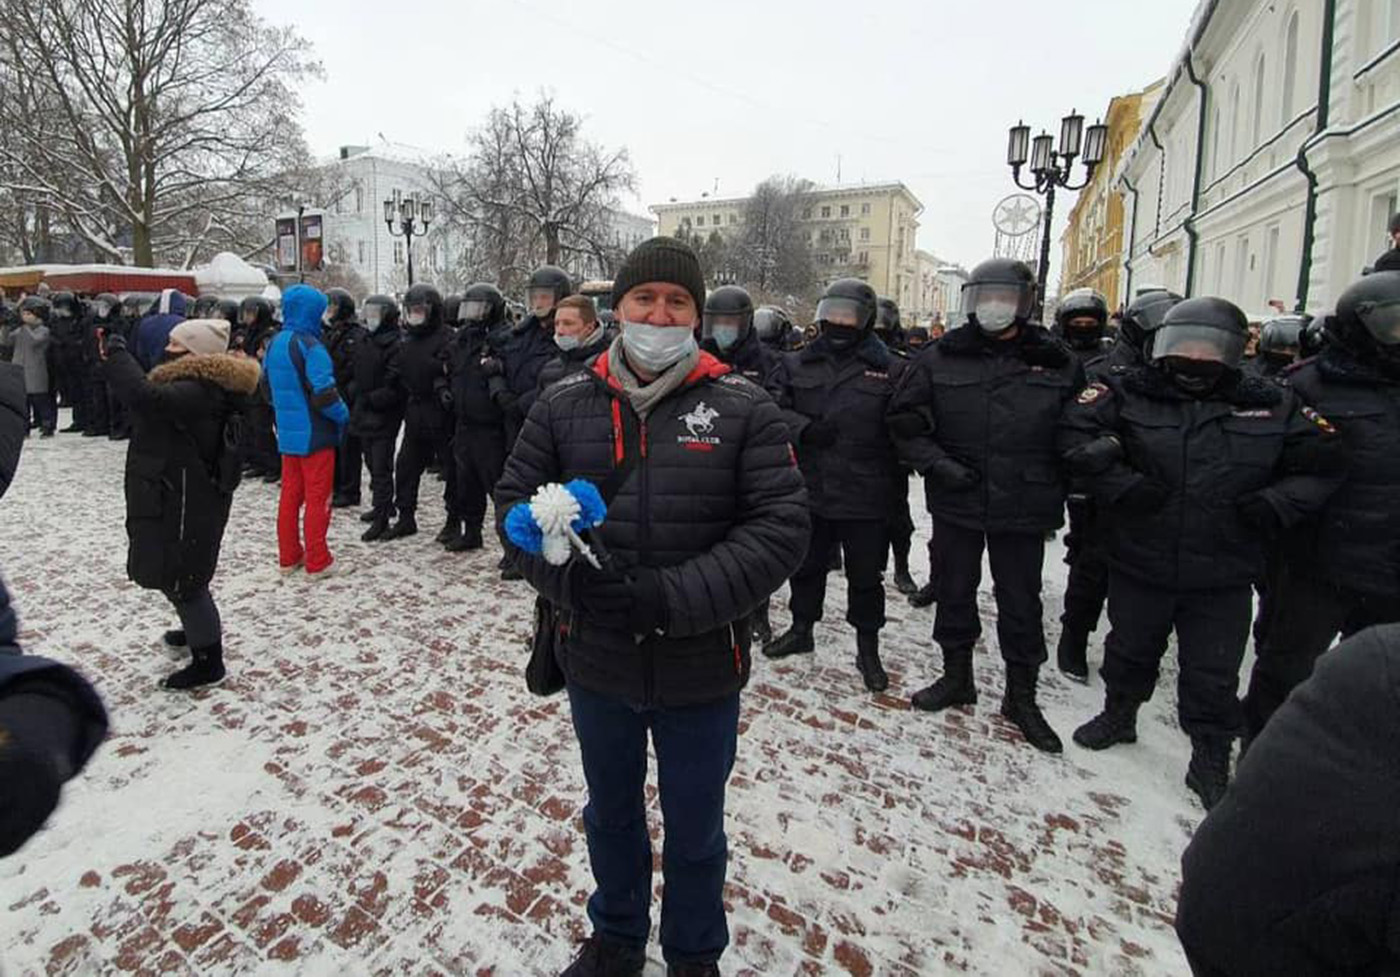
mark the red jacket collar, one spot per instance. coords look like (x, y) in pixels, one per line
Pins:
(709, 368)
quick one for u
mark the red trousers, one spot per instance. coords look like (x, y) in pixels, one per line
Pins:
(306, 481)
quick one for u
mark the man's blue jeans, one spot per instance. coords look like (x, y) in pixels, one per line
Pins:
(695, 748)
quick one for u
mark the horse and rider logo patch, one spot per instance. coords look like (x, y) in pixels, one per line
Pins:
(700, 422)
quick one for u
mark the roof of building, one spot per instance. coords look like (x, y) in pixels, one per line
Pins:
(816, 190)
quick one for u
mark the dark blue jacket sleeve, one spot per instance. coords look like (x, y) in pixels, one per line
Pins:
(320, 374)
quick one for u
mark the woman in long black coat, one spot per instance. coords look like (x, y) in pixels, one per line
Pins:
(181, 469)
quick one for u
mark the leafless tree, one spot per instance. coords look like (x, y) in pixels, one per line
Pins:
(771, 253)
(167, 125)
(533, 189)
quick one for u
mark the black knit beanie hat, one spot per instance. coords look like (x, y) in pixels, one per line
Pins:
(661, 259)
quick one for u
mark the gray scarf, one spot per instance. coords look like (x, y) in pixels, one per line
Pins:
(644, 397)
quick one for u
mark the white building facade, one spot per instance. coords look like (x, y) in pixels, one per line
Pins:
(1269, 169)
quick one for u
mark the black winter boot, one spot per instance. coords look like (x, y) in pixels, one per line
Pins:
(406, 526)
(903, 582)
(1072, 655)
(955, 688)
(868, 662)
(450, 530)
(602, 958)
(465, 543)
(1209, 772)
(378, 529)
(760, 626)
(1116, 724)
(797, 640)
(369, 516)
(341, 501)
(175, 639)
(692, 970)
(206, 667)
(1019, 706)
(923, 597)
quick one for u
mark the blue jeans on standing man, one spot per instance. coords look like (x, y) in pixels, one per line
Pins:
(695, 748)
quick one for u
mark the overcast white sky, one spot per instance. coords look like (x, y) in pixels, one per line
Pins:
(735, 90)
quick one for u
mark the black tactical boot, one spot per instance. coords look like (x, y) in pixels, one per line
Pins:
(450, 530)
(464, 543)
(406, 526)
(868, 662)
(342, 501)
(1209, 772)
(175, 639)
(1116, 724)
(955, 688)
(1072, 655)
(760, 626)
(903, 582)
(797, 640)
(369, 515)
(378, 528)
(206, 667)
(924, 596)
(1019, 706)
(603, 958)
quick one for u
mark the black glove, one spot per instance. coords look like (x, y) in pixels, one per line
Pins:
(952, 475)
(444, 397)
(1257, 512)
(1145, 496)
(492, 367)
(32, 726)
(819, 434)
(632, 602)
(1095, 457)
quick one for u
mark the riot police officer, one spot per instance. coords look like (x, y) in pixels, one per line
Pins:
(427, 424)
(773, 328)
(479, 444)
(103, 312)
(530, 346)
(256, 327)
(342, 335)
(1086, 590)
(1196, 464)
(888, 325)
(1280, 340)
(66, 326)
(890, 330)
(1342, 573)
(976, 416)
(377, 413)
(834, 394)
(1081, 323)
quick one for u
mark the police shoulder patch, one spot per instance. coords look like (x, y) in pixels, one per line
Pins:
(1092, 393)
(1319, 420)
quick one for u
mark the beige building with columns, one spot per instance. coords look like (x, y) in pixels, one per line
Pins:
(862, 231)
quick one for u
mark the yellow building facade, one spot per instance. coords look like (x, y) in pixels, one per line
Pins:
(1092, 245)
(865, 231)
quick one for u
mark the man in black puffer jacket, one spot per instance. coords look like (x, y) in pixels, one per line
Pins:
(1341, 573)
(1195, 466)
(709, 518)
(378, 412)
(1296, 873)
(428, 425)
(976, 415)
(342, 335)
(580, 336)
(479, 441)
(835, 394)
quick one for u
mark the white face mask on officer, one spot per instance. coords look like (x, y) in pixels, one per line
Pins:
(995, 315)
(656, 349)
(416, 317)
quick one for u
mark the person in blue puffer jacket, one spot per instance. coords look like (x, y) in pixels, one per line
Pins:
(311, 422)
(153, 334)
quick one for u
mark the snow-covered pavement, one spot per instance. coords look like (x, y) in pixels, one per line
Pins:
(374, 791)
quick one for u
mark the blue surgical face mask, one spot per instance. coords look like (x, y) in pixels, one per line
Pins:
(725, 336)
(657, 348)
(566, 343)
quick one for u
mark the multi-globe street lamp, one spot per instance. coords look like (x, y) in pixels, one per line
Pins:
(1052, 167)
(411, 216)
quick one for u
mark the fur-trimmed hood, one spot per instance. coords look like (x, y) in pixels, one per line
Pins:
(236, 374)
(1035, 344)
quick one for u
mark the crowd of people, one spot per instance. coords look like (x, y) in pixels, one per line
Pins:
(1199, 463)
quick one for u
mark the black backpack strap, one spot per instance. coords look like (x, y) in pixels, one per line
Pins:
(297, 351)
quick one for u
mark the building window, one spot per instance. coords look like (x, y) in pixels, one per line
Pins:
(826, 211)
(865, 234)
(1290, 70)
(700, 221)
(1215, 143)
(360, 250)
(865, 210)
(398, 252)
(718, 220)
(1235, 123)
(359, 200)
(845, 210)
(806, 213)
(1256, 126)
(733, 219)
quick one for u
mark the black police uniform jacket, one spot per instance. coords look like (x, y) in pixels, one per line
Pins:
(753, 360)
(378, 408)
(992, 405)
(1296, 872)
(341, 340)
(856, 477)
(713, 500)
(1355, 541)
(421, 359)
(1249, 436)
(526, 351)
(175, 511)
(472, 403)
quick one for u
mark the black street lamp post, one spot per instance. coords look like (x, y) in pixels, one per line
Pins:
(1052, 168)
(411, 216)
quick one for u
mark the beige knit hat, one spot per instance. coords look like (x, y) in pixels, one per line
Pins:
(199, 336)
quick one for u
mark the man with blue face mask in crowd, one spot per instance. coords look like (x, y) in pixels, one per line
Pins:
(706, 518)
(580, 336)
(975, 415)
